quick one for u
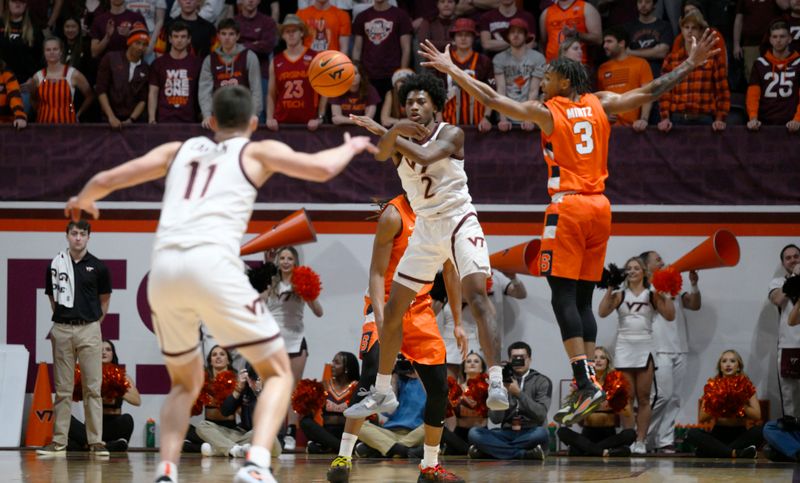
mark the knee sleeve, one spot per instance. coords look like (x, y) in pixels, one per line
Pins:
(434, 379)
(565, 307)
(584, 293)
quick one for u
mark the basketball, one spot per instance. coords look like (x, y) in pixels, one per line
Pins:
(331, 73)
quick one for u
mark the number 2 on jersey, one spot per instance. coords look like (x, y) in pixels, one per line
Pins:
(584, 128)
(195, 166)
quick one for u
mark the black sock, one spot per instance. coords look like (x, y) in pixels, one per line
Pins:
(580, 370)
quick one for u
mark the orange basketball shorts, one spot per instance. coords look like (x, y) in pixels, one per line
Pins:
(575, 237)
(422, 342)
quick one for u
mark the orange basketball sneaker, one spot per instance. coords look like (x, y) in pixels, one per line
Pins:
(437, 473)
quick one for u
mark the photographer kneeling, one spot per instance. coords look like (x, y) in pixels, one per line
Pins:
(522, 433)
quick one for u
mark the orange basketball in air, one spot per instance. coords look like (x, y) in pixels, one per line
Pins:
(331, 73)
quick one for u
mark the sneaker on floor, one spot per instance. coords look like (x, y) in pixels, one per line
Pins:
(206, 449)
(52, 449)
(476, 454)
(437, 473)
(536, 453)
(289, 443)
(586, 401)
(312, 447)
(668, 449)
(638, 448)
(118, 445)
(497, 400)
(165, 479)
(339, 472)
(98, 449)
(621, 452)
(364, 451)
(417, 452)
(252, 473)
(373, 403)
(238, 451)
(750, 452)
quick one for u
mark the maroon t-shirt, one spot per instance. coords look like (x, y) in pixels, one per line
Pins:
(495, 22)
(259, 34)
(176, 80)
(352, 103)
(123, 22)
(757, 16)
(380, 52)
(780, 82)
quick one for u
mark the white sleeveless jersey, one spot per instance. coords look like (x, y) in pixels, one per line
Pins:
(438, 190)
(208, 199)
(636, 315)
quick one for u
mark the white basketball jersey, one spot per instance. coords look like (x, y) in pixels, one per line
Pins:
(635, 316)
(208, 199)
(438, 190)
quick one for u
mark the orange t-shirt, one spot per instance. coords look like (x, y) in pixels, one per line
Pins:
(622, 76)
(576, 152)
(325, 27)
(556, 19)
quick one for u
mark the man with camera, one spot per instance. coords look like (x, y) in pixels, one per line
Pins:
(522, 433)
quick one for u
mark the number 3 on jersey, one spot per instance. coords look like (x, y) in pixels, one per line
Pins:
(584, 129)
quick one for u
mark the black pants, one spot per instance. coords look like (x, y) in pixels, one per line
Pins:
(457, 441)
(593, 441)
(722, 440)
(115, 426)
(328, 435)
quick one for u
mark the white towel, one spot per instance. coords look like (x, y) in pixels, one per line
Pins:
(62, 279)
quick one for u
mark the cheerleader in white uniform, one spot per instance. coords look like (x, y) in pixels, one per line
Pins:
(287, 308)
(637, 304)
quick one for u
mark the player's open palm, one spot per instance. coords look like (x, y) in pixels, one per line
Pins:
(440, 61)
(704, 49)
(360, 144)
(369, 124)
(411, 129)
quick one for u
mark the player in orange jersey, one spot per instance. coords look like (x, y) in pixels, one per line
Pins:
(575, 132)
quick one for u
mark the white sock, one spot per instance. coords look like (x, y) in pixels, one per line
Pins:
(167, 468)
(431, 456)
(383, 383)
(348, 443)
(496, 374)
(259, 455)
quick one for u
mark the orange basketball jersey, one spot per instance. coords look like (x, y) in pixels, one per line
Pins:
(400, 243)
(557, 20)
(576, 152)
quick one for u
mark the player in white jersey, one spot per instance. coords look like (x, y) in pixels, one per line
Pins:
(196, 272)
(429, 158)
(634, 352)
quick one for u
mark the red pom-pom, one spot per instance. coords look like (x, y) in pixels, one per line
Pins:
(306, 283)
(617, 389)
(115, 384)
(77, 390)
(223, 385)
(478, 391)
(454, 393)
(309, 397)
(668, 281)
(203, 399)
(726, 397)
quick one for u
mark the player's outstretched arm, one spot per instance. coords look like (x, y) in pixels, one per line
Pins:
(533, 111)
(700, 52)
(277, 157)
(152, 165)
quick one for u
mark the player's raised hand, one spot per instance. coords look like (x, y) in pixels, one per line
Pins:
(411, 129)
(704, 49)
(359, 144)
(369, 124)
(74, 206)
(440, 61)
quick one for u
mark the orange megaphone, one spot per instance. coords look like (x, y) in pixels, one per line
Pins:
(719, 250)
(518, 259)
(295, 229)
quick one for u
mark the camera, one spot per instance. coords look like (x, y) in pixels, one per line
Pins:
(508, 373)
(517, 361)
(789, 423)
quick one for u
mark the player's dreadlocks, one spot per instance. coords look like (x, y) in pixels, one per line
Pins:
(574, 71)
(434, 86)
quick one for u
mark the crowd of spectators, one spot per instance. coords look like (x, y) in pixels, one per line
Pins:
(57, 58)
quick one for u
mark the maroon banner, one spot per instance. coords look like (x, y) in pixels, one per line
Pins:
(690, 165)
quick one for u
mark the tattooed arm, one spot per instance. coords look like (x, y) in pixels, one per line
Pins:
(700, 52)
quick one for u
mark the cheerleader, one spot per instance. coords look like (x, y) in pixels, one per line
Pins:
(198, 439)
(327, 437)
(637, 304)
(730, 436)
(599, 436)
(287, 308)
(468, 413)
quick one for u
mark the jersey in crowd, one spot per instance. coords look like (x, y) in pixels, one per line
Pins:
(621, 76)
(176, 80)
(353, 103)
(462, 108)
(557, 20)
(381, 32)
(229, 73)
(296, 101)
(779, 83)
(325, 27)
(123, 22)
(576, 151)
(649, 35)
(211, 172)
(439, 189)
(794, 31)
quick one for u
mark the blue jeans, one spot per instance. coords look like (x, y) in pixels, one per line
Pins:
(787, 442)
(505, 444)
